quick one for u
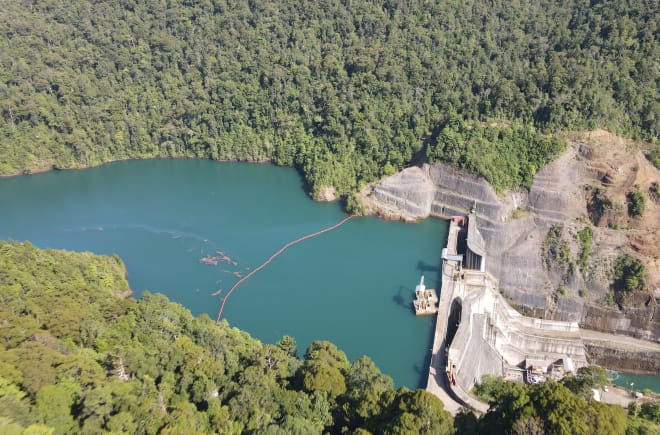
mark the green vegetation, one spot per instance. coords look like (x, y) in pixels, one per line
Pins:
(345, 91)
(629, 274)
(636, 202)
(77, 356)
(518, 213)
(585, 237)
(644, 418)
(587, 378)
(555, 248)
(563, 407)
(556, 255)
(508, 157)
(654, 156)
(354, 205)
(654, 191)
(650, 411)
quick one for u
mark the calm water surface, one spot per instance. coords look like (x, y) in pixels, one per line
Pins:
(639, 382)
(352, 286)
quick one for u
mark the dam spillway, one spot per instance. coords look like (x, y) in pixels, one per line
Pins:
(478, 333)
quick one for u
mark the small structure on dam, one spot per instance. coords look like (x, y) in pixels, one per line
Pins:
(478, 333)
(426, 300)
(471, 245)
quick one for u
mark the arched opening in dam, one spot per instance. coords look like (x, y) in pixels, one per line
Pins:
(454, 320)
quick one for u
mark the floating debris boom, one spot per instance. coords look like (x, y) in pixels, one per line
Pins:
(272, 257)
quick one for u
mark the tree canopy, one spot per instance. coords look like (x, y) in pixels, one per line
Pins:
(345, 91)
(551, 407)
(78, 356)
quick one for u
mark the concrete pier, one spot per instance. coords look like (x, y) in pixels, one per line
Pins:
(426, 302)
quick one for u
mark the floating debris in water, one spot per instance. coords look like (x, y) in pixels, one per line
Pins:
(211, 261)
(262, 265)
(220, 258)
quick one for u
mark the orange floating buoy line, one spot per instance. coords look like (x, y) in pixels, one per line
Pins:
(272, 257)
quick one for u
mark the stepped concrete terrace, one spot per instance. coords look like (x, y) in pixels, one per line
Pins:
(478, 333)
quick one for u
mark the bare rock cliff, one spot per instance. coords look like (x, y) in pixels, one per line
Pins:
(515, 227)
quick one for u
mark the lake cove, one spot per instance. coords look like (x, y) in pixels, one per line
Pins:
(191, 228)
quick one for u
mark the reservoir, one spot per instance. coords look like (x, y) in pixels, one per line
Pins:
(352, 286)
(636, 382)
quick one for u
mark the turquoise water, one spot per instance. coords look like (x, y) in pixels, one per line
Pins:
(640, 382)
(352, 286)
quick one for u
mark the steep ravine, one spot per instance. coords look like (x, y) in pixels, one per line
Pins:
(516, 224)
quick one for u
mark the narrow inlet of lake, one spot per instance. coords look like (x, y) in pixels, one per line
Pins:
(352, 286)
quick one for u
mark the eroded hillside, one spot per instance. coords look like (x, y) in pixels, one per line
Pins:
(555, 248)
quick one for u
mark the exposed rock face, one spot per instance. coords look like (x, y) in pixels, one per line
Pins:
(407, 195)
(326, 194)
(515, 226)
(630, 361)
(639, 322)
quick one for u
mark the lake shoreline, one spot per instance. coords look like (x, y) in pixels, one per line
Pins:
(161, 216)
(268, 162)
(54, 168)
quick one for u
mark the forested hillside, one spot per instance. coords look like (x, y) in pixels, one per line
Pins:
(345, 90)
(79, 356)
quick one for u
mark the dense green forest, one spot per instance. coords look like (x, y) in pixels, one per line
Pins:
(79, 356)
(347, 91)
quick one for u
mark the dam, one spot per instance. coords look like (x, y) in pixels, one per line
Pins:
(478, 333)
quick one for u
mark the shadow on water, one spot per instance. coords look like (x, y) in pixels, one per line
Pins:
(437, 281)
(424, 370)
(403, 298)
(433, 278)
(425, 267)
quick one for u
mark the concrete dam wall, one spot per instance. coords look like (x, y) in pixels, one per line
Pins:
(514, 226)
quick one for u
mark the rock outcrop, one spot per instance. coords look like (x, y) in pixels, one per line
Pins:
(407, 195)
(630, 361)
(515, 226)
